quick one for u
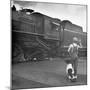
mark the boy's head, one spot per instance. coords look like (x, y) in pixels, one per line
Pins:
(75, 40)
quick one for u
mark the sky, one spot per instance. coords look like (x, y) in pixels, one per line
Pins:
(75, 13)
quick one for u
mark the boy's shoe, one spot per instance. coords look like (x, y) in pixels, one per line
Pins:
(74, 78)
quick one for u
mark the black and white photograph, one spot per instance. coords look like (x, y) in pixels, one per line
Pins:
(48, 44)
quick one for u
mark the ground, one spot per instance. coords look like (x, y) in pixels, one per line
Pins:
(49, 73)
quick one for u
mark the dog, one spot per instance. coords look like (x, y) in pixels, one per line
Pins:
(70, 72)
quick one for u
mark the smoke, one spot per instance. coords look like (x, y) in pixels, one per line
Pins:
(24, 3)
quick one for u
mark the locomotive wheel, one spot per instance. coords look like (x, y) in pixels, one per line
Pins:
(17, 53)
(40, 56)
(37, 57)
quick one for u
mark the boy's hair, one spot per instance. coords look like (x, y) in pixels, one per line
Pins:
(75, 39)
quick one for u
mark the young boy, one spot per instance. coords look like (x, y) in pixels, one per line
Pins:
(73, 53)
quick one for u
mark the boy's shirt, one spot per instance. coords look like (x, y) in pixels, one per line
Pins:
(73, 50)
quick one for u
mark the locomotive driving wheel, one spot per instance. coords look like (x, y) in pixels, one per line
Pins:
(17, 53)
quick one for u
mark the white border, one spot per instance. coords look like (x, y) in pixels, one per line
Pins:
(62, 1)
(5, 47)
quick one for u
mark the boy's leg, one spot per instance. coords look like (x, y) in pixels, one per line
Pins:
(75, 67)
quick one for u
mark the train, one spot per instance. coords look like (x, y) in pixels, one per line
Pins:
(36, 36)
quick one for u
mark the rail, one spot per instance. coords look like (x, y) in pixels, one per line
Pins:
(42, 43)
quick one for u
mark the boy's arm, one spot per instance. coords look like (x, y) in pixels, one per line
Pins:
(69, 49)
(80, 45)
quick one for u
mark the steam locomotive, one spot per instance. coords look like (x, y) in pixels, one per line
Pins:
(36, 36)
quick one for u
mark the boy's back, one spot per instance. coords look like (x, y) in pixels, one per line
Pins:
(73, 50)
